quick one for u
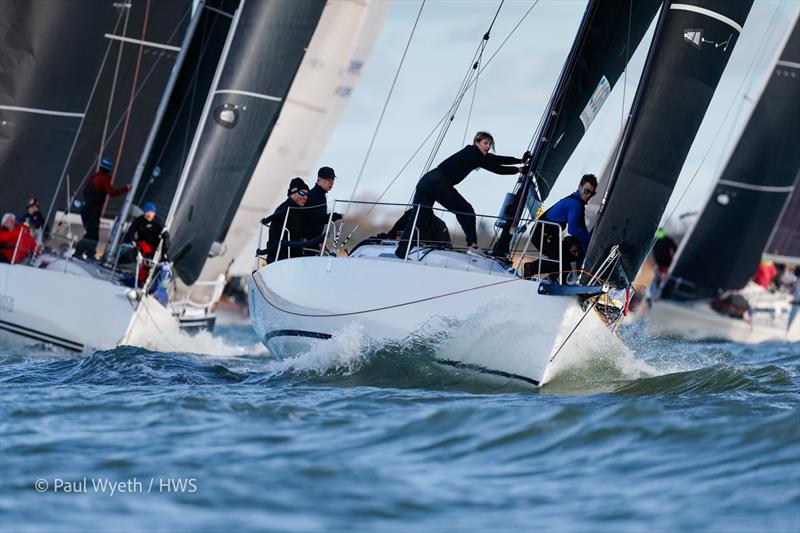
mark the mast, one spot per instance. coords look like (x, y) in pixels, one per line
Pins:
(692, 45)
(151, 136)
(752, 190)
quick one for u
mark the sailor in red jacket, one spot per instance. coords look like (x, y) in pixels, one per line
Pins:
(16, 242)
(94, 195)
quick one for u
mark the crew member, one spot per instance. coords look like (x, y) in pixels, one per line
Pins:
(16, 242)
(287, 226)
(569, 213)
(33, 216)
(316, 212)
(438, 185)
(97, 190)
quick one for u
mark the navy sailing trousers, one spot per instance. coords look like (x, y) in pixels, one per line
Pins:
(433, 187)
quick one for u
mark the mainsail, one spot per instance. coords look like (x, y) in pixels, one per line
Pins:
(50, 53)
(141, 56)
(751, 192)
(693, 42)
(784, 246)
(607, 37)
(265, 45)
(163, 168)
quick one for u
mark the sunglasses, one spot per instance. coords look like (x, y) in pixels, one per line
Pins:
(303, 193)
(590, 192)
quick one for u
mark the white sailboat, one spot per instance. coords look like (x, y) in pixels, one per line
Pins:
(297, 301)
(90, 304)
(708, 295)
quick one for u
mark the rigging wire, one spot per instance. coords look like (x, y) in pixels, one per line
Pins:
(385, 105)
(439, 123)
(113, 90)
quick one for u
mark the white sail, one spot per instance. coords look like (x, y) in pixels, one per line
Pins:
(329, 71)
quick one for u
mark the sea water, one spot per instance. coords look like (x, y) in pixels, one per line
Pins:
(214, 433)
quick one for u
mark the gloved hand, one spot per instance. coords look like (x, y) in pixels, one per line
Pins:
(265, 221)
(526, 157)
(336, 216)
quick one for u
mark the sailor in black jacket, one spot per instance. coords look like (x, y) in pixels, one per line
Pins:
(438, 186)
(316, 212)
(288, 239)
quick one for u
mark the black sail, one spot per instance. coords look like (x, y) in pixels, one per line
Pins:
(751, 192)
(784, 246)
(693, 42)
(268, 42)
(607, 37)
(109, 125)
(50, 53)
(185, 106)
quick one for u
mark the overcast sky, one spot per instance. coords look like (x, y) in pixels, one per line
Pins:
(512, 94)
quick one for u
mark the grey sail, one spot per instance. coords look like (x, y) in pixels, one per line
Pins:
(267, 43)
(50, 53)
(692, 45)
(141, 56)
(185, 105)
(607, 37)
(784, 246)
(751, 192)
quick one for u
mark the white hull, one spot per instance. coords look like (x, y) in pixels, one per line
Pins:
(296, 303)
(698, 321)
(71, 307)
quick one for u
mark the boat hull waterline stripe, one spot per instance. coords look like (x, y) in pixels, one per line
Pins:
(295, 333)
(761, 188)
(484, 370)
(707, 12)
(40, 336)
(151, 44)
(40, 111)
(248, 93)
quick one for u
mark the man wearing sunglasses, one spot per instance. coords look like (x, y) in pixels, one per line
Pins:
(286, 225)
(569, 213)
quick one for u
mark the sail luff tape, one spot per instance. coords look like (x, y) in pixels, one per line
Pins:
(151, 44)
(707, 12)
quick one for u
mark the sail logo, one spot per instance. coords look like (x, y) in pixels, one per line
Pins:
(597, 100)
(695, 38)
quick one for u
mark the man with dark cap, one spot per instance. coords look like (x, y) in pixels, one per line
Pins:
(145, 230)
(98, 188)
(287, 226)
(316, 213)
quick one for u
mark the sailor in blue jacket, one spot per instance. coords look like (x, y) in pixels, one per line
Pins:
(570, 213)
(438, 186)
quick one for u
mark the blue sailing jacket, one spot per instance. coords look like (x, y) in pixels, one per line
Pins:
(570, 212)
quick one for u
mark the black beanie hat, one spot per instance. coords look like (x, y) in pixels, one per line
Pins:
(297, 184)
